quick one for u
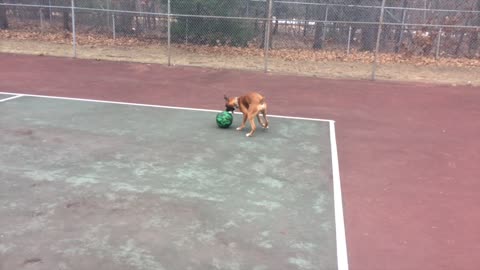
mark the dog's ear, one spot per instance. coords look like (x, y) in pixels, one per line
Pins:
(225, 97)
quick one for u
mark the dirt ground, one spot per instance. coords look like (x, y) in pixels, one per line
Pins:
(220, 59)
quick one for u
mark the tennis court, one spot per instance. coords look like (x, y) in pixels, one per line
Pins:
(90, 179)
(90, 184)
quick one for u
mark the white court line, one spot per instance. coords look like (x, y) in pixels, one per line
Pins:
(342, 258)
(10, 98)
(158, 106)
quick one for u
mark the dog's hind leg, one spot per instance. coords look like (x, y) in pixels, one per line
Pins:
(260, 121)
(264, 114)
(261, 109)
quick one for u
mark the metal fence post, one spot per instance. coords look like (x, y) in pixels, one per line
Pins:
(437, 52)
(404, 17)
(108, 13)
(349, 39)
(41, 19)
(113, 27)
(374, 69)
(74, 34)
(325, 21)
(266, 46)
(50, 10)
(186, 31)
(425, 12)
(169, 34)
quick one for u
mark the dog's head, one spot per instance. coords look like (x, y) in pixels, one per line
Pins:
(230, 103)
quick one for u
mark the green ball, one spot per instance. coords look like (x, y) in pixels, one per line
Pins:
(224, 119)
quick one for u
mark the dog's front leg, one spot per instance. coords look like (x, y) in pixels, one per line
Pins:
(252, 113)
(242, 126)
(252, 125)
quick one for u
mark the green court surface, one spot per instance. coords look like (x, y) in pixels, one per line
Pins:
(89, 185)
(3, 96)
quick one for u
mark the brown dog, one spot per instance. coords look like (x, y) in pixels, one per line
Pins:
(251, 105)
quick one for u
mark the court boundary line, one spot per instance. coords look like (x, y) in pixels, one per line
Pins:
(10, 98)
(340, 235)
(158, 106)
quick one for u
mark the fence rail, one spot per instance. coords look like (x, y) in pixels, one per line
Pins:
(269, 25)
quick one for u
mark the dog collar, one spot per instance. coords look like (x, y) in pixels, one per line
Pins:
(236, 102)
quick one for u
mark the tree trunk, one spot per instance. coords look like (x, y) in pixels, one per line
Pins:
(459, 43)
(125, 21)
(320, 12)
(318, 40)
(3, 16)
(369, 31)
(398, 33)
(46, 11)
(262, 45)
(66, 21)
(138, 25)
(270, 41)
(307, 17)
(256, 23)
(368, 38)
(151, 18)
(462, 36)
(474, 43)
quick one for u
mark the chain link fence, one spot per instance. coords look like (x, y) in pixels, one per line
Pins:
(300, 36)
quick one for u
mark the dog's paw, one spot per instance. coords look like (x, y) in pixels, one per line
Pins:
(249, 135)
(239, 128)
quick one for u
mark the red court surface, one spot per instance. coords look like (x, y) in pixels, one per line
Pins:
(409, 153)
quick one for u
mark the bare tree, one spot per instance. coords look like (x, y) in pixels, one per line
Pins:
(66, 20)
(307, 18)
(3, 16)
(45, 11)
(369, 30)
(125, 20)
(270, 41)
(474, 41)
(320, 14)
(399, 32)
